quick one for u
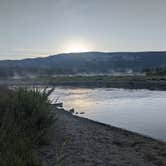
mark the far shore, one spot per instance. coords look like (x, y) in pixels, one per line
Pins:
(89, 143)
(128, 82)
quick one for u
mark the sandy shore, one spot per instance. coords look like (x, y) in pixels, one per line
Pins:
(82, 142)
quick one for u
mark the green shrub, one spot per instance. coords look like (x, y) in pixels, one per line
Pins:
(25, 118)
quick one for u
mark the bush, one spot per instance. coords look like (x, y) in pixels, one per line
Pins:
(25, 117)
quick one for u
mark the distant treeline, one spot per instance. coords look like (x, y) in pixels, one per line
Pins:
(11, 72)
(155, 72)
(6, 72)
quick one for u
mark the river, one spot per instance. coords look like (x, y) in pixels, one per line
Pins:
(142, 111)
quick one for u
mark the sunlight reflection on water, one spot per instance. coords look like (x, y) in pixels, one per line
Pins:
(143, 111)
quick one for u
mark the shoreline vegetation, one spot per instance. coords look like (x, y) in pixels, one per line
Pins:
(33, 132)
(152, 82)
(25, 121)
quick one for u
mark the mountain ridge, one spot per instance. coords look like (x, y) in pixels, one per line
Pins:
(86, 62)
(103, 52)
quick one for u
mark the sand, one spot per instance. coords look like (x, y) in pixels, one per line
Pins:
(82, 142)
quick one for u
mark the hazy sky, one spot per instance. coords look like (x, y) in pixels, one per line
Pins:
(30, 28)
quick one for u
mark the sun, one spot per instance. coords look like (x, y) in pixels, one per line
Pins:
(77, 46)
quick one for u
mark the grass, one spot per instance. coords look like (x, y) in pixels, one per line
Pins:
(25, 118)
(95, 78)
(134, 81)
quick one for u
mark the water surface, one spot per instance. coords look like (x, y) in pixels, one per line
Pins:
(142, 111)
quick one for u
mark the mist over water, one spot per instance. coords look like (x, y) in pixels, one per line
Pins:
(142, 111)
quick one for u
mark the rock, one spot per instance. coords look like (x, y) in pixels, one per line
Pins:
(71, 110)
(58, 104)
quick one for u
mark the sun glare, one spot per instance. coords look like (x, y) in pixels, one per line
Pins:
(77, 46)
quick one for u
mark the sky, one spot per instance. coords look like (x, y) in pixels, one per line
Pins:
(32, 28)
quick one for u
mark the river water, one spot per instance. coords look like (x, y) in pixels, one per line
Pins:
(142, 111)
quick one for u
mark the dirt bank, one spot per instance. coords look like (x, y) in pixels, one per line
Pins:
(93, 144)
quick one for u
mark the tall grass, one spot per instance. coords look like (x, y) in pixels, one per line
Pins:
(25, 118)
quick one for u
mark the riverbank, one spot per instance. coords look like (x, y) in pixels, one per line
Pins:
(129, 82)
(83, 142)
